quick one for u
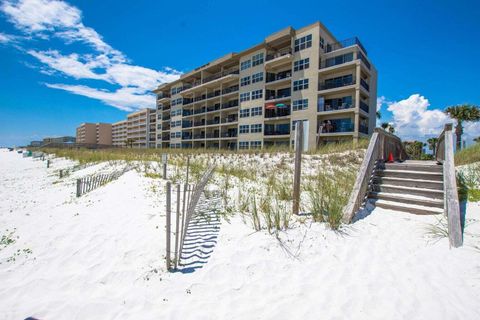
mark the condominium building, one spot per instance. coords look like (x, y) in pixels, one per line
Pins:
(119, 133)
(95, 134)
(254, 98)
(141, 129)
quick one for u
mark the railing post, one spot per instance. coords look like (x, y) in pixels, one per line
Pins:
(177, 226)
(164, 162)
(78, 187)
(168, 223)
(298, 166)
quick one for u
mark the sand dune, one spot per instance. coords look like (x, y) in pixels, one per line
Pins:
(101, 256)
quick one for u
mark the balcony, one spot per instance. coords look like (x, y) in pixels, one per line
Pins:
(363, 128)
(336, 126)
(230, 119)
(214, 94)
(365, 107)
(277, 130)
(276, 77)
(344, 44)
(273, 111)
(214, 121)
(278, 54)
(186, 124)
(278, 94)
(166, 118)
(213, 135)
(200, 111)
(230, 90)
(337, 83)
(214, 107)
(278, 58)
(186, 137)
(213, 77)
(230, 104)
(229, 134)
(364, 84)
(199, 123)
(187, 113)
(199, 136)
(335, 104)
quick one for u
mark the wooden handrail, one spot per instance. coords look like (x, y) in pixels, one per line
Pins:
(382, 143)
(444, 155)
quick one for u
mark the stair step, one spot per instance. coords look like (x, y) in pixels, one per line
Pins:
(406, 182)
(407, 199)
(436, 194)
(414, 167)
(410, 208)
(408, 174)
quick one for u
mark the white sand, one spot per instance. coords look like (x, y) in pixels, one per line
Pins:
(95, 258)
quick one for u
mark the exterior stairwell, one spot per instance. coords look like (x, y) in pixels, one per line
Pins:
(410, 186)
(419, 187)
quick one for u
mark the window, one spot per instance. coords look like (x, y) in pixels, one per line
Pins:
(244, 128)
(245, 81)
(244, 113)
(300, 84)
(301, 104)
(256, 111)
(256, 144)
(257, 77)
(303, 43)
(322, 43)
(257, 94)
(244, 96)
(257, 59)
(176, 101)
(256, 128)
(245, 65)
(243, 145)
(301, 64)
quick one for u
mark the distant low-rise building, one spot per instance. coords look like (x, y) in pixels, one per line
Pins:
(56, 140)
(141, 129)
(36, 143)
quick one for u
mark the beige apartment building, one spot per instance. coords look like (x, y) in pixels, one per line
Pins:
(254, 98)
(141, 129)
(94, 134)
(119, 133)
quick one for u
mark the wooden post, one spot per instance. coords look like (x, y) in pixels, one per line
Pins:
(164, 161)
(298, 166)
(78, 187)
(61, 173)
(48, 163)
(177, 227)
(168, 222)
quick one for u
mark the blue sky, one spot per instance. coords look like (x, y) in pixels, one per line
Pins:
(63, 63)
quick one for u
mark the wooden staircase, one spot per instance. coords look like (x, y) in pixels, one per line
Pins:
(409, 186)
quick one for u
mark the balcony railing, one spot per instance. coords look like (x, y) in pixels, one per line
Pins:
(344, 44)
(272, 95)
(230, 89)
(276, 132)
(337, 83)
(221, 75)
(186, 137)
(214, 121)
(229, 119)
(213, 135)
(199, 111)
(364, 106)
(230, 104)
(214, 107)
(277, 112)
(187, 124)
(365, 84)
(230, 134)
(198, 123)
(214, 94)
(278, 54)
(271, 77)
(336, 126)
(163, 95)
(199, 136)
(335, 107)
(187, 113)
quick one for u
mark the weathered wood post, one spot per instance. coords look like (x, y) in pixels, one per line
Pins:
(168, 223)
(61, 173)
(164, 163)
(48, 163)
(298, 166)
(177, 227)
(78, 187)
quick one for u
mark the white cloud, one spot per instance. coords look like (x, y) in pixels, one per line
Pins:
(126, 99)
(43, 19)
(413, 120)
(380, 102)
(4, 38)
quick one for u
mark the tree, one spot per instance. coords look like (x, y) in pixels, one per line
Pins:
(388, 127)
(462, 113)
(477, 139)
(379, 115)
(414, 149)
(432, 144)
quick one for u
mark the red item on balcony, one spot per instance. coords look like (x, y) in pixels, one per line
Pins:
(270, 106)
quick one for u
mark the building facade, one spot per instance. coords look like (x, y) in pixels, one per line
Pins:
(94, 134)
(254, 98)
(119, 133)
(141, 129)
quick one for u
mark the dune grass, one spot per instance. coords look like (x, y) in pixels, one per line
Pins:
(468, 155)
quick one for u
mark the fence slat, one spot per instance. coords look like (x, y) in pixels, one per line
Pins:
(168, 222)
